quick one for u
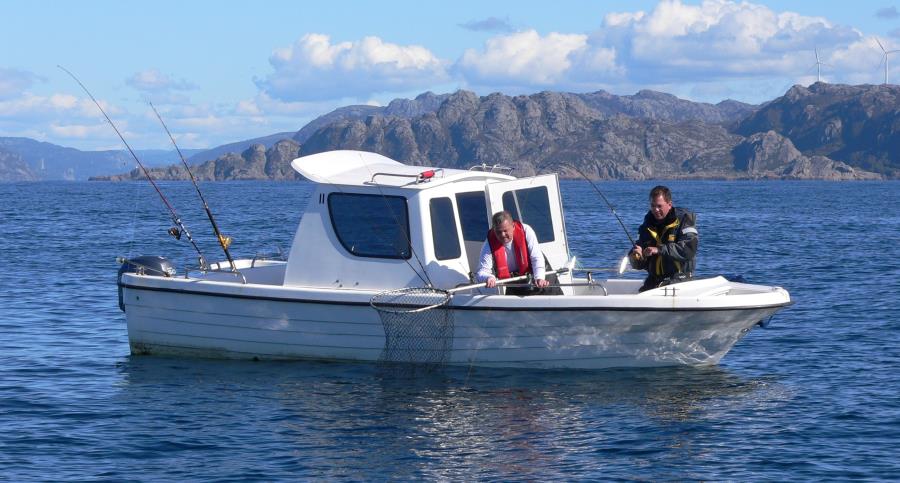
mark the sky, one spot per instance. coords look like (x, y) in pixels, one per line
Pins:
(225, 71)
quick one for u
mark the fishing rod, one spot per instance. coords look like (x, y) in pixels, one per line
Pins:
(224, 241)
(611, 207)
(175, 231)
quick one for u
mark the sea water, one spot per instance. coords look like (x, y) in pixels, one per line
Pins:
(815, 395)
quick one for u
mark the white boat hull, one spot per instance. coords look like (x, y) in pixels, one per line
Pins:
(228, 320)
(374, 226)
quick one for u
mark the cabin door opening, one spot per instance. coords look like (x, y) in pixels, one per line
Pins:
(535, 202)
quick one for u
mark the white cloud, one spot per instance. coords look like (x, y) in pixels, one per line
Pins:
(859, 62)
(14, 82)
(248, 108)
(675, 47)
(80, 131)
(704, 50)
(529, 59)
(30, 106)
(154, 81)
(315, 69)
(717, 39)
(618, 19)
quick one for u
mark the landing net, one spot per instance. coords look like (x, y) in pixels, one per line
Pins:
(418, 326)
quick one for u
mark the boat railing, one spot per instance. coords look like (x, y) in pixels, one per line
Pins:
(422, 177)
(278, 255)
(217, 270)
(144, 269)
(496, 168)
(511, 282)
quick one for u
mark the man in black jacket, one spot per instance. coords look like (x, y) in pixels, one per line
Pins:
(668, 242)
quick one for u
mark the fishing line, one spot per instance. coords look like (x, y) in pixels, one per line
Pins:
(406, 233)
(224, 241)
(611, 207)
(174, 231)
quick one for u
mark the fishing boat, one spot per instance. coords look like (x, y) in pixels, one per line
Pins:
(375, 227)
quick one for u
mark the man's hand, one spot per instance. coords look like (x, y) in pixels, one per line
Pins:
(491, 282)
(650, 251)
(637, 253)
(541, 283)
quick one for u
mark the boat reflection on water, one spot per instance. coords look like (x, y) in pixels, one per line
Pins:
(352, 420)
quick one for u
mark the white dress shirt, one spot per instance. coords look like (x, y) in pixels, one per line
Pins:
(486, 267)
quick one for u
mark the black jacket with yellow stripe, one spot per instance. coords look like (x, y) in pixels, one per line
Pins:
(677, 239)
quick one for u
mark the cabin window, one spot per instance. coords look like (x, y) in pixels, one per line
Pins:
(371, 225)
(443, 229)
(473, 215)
(531, 206)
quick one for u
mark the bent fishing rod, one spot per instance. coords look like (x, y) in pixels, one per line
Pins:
(623, 265)
(224, 241)
(611, 207)
(174, 231)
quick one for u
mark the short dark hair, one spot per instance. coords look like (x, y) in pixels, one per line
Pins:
(661, 191)
(499, 217)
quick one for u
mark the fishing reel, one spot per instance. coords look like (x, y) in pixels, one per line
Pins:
(225, 241)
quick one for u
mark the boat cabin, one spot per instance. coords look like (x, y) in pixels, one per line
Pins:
(374, 223)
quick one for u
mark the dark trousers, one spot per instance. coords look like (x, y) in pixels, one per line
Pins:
(654, 281)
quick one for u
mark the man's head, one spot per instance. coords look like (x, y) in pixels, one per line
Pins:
(502, 224)
(660, 202)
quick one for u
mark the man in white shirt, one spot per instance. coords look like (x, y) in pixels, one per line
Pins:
(511, 249)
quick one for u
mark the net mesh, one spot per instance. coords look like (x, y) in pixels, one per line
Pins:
(418, 326)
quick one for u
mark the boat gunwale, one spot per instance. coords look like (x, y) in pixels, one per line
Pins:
(643, 308)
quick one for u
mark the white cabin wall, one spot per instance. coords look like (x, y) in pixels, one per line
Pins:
(317, 258)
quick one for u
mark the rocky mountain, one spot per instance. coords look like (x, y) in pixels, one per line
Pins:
(14, 168)
(771, 155)
(858, 125)
(250, 159)
(205, 155)
(403, 108)
(256, 162)
(561, 132)
(666, 107)
(648, 135)
(47, 161)
(52, 162)
(398, 107)
(821, 132)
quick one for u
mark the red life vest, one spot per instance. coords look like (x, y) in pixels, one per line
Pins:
(520, 248)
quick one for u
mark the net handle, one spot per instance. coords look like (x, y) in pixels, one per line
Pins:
(502, 281)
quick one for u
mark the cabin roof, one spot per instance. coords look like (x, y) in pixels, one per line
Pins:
(361, 168)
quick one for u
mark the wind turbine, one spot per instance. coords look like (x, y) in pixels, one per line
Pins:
(886, 55)
(818, 66)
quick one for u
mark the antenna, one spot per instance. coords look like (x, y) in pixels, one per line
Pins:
(885, 57)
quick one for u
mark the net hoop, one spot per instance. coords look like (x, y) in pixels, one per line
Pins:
(418, 327)
(410, 300)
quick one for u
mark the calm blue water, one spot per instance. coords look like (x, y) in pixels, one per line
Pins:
(814, 396)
